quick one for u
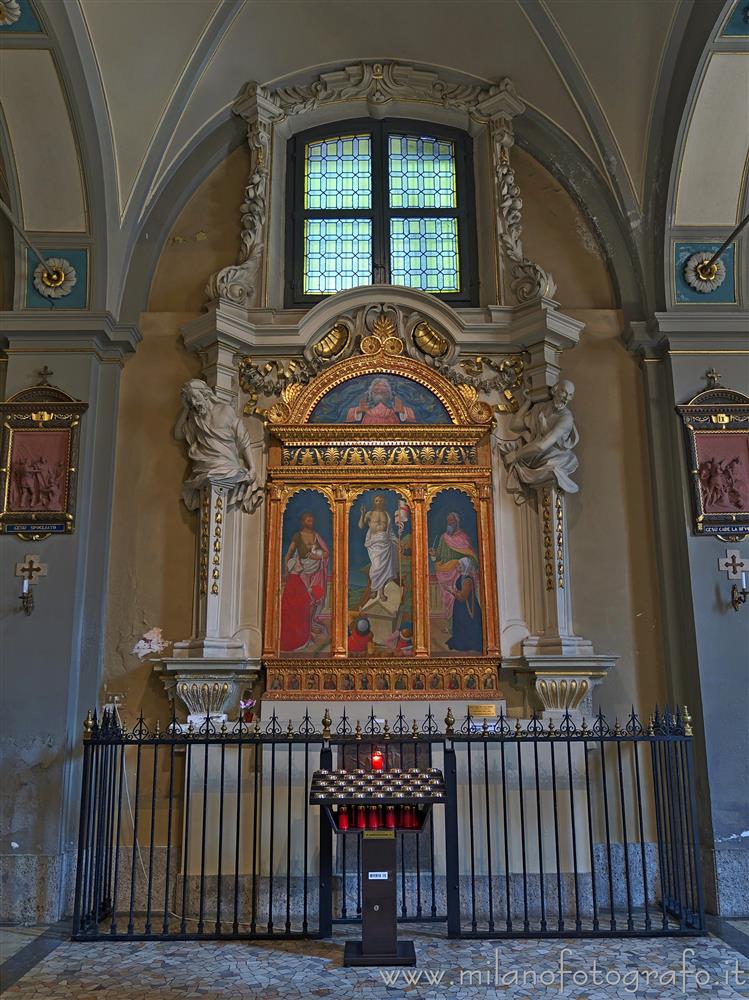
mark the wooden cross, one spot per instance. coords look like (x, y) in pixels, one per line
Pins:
(733, 564)
(44, 375)
(32, 568)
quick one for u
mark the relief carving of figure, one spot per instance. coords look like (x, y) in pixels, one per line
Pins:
(545, 449)
(218, 446)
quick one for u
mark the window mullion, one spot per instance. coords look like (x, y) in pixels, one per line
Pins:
(379, 202)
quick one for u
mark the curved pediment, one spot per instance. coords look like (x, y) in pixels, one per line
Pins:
(380, 387)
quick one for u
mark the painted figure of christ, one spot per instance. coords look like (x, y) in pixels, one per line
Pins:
(305, 586)
(382, 548)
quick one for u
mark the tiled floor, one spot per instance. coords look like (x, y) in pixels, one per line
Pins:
(467, 969)
(12, 939)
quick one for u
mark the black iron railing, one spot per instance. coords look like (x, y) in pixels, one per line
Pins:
(548, 830)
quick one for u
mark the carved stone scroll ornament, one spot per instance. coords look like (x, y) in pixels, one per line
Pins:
(527, 280)
(239, 282)
(378, 84)
(544, 451)
(218, 446)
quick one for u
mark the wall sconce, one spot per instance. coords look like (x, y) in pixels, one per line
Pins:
(26, 597)
(29, 571)
(738, 597)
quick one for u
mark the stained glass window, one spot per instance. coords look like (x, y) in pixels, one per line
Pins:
(424, 254)
(338, 173)
(421, 172)
(388, 201)
(337, 254)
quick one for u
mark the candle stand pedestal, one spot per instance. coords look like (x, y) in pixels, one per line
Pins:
(375, 805)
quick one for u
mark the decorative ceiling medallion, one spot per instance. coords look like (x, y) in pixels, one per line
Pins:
(10, 12)
(701, 276)
(57, 278)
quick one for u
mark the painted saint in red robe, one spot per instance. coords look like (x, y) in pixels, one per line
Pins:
(305, 586)
(381, 406)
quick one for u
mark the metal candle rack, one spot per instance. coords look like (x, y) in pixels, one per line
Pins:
(361, 800)
(375, 804)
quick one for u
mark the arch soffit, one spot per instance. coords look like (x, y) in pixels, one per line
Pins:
(716, 43)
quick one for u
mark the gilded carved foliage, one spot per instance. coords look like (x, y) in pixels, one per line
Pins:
(394, 334)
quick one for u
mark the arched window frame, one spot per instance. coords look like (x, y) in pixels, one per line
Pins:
(380, 213)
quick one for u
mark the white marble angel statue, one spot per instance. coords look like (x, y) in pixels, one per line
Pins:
(544, 450)
(218, 446)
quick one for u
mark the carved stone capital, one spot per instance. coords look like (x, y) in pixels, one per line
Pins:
(556, 685)
(205, 686)
(257, 103)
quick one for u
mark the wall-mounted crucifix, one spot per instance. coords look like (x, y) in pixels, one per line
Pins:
(29, 571)
(733, 564)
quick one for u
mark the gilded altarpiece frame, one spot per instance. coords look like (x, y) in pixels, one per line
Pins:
(394, 471)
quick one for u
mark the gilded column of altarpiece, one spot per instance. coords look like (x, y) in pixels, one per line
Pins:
(380, 556)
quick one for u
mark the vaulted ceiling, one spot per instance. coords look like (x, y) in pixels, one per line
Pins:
(103, 99)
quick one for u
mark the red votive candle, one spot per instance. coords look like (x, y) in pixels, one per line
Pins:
(373, 822)
(390, 817)
(377, 760)
(343, 818)
(361, 818)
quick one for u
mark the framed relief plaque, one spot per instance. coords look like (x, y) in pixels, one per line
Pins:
(716, 424)
(38, 476)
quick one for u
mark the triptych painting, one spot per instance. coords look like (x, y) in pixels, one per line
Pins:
(381, 572)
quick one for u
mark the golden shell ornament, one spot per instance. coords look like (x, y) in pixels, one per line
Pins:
(333, 343)
(429, 342)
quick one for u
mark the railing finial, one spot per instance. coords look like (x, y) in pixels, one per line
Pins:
(449, 723)
(688, 731)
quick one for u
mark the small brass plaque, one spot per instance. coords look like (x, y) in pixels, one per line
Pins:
(379, 834)
(483, 711)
